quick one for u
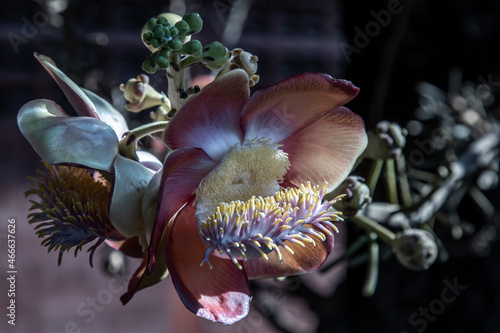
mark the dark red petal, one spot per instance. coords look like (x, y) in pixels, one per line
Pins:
(141, 279)
(326, 150)
(211, 119)
(183, 171)
(221, 294)
(306, 259)
(283, 109)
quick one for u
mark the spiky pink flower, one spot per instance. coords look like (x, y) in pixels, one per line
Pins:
(241, 193)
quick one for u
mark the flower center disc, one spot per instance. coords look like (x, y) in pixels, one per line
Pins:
(254, 168)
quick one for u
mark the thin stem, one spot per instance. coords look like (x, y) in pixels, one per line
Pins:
(175, 85)
(372, 271)
(382, 232)
(127, 145)
(404, 186)
(390, 181)
(481, 201)
(374, 174)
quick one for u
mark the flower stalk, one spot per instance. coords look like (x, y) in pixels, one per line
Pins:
(128, 144)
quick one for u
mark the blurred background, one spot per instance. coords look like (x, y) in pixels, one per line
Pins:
(384, 47)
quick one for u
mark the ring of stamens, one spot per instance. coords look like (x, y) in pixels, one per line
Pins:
(261, 225)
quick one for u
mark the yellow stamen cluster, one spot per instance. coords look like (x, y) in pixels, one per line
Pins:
(253, 228)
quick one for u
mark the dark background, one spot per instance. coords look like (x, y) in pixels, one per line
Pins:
(97, 44)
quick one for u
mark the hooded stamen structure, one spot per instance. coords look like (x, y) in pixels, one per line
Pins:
(253, 228)
(73, 208)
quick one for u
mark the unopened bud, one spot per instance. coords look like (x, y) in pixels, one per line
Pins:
(386, 141)
(195, 22)
(215, 55)
(415, 249)
(357, 196)
(141, 95)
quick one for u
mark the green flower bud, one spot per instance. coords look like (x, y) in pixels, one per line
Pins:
(166, 32)
(162, 62)
(163, 52)
(193, 47)
(163, 20)
(194, 21)
(175, 44)
(158, 34)
(150, 65)
(215, 55)
(164, 41)
(155, 43)
(182, 27)
(147, 37)
(174, 31)
(151, 23)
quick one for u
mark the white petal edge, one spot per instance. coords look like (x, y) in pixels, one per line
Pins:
(60, 139)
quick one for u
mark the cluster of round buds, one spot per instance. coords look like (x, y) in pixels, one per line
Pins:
(169, 34)
(258, 226)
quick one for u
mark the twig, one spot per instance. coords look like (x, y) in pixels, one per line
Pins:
(477, 156)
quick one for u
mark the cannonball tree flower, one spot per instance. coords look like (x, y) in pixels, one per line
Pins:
(89, 140)
(241, 193)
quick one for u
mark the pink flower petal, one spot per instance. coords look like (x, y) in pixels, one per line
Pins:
(78, 99)
(141, 279)
(326, 150)
(283, 109)
(220, 294)
(183, 170)
(210, 120)
(305, 259)
(134, 282)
